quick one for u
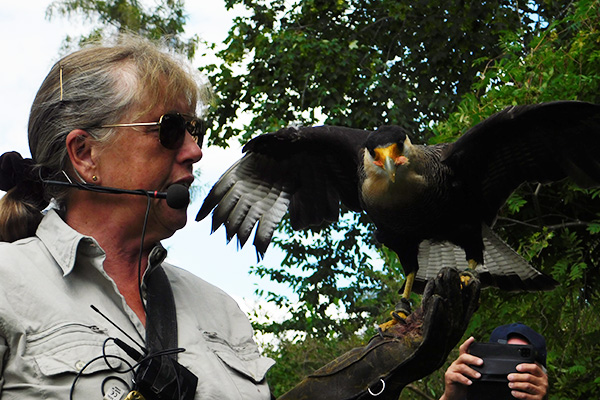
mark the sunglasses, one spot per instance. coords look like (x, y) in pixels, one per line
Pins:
(172, 128)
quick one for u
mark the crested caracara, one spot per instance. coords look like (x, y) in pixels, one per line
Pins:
(428, 197)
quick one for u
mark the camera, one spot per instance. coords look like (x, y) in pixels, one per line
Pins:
(499, 360)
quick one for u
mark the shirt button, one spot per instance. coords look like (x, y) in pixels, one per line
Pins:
(79, 365)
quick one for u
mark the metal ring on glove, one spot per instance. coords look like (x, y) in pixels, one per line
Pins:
(378, 393)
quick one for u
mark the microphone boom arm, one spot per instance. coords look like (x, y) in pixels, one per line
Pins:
(177, 195)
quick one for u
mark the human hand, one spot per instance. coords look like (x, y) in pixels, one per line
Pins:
(530, 383)
(459, 374)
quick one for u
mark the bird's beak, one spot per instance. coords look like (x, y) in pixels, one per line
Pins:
(390, 167)
(388, 158)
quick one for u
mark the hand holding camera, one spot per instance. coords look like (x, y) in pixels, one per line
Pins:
(496, 372)
(499, 361)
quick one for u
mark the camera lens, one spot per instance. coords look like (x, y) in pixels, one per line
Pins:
(525, 352)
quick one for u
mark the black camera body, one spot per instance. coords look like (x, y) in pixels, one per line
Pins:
(499, 360)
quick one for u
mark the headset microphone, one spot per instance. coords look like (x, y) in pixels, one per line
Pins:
(177, 195)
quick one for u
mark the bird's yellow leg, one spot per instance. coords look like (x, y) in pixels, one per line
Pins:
(408, 285)
(403, 307)
(465, 278)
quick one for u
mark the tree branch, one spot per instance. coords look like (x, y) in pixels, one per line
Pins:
(419, 392)
(574, 223)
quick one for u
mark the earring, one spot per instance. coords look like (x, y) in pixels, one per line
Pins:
(94, 178)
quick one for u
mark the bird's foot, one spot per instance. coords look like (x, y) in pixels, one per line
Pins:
(399, 315)
(402, 310)
(467, 276)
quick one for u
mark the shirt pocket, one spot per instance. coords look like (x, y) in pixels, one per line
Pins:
(72, 347)
(243, 358)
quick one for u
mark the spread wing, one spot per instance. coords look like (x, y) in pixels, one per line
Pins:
(307, 170)
(536, 143)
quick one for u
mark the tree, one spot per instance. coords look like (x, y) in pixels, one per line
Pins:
(165, 21)
(358, 63)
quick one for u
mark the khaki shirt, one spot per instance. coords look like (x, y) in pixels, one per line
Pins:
(49, 334)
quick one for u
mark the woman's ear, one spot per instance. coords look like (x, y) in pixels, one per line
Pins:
(80, 146)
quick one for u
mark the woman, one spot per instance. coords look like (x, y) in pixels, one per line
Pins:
(120, 116)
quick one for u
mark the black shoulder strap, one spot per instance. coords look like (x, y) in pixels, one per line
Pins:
(161, 377)
(161, 315)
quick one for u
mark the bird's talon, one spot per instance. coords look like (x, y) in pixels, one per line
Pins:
(464, 280)
(399, 317)
(403, 307)
(466, 277)
(386, 325)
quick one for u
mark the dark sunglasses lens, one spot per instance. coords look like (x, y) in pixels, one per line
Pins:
(196, 128)
(172, 131)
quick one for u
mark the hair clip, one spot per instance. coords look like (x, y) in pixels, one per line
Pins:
(60, 77)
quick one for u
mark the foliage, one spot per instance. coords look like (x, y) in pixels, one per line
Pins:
(166, 21)
(356, 63)
(364, 65)
(340, 276)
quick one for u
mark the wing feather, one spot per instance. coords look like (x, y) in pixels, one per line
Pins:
(242, 218)
(539, 143)
(268, 222)
(309, 170)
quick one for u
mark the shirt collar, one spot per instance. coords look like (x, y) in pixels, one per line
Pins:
(63, 242)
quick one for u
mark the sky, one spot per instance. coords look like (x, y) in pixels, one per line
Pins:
(30, 44)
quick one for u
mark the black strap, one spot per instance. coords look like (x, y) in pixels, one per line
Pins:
(162, 377)
(161, 316)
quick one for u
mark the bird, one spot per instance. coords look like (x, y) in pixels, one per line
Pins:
(425, 201)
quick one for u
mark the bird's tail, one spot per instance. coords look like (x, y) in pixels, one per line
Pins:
(503, 267)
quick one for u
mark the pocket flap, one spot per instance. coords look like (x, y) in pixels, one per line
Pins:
(74, 359)
(243, 358)
(71, 347)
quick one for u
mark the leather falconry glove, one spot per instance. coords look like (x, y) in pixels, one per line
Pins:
(403, 353)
